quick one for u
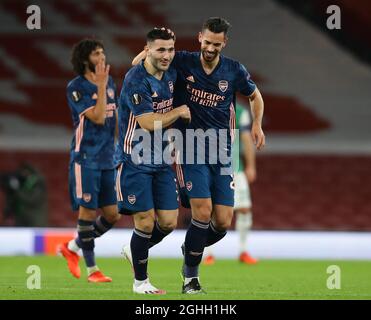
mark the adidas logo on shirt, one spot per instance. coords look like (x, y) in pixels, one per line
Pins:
(154, 95)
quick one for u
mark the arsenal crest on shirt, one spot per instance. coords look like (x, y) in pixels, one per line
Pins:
(171, 86)
(223, 85)
(110, 93)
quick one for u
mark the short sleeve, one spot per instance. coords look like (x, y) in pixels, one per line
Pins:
(244, 83)
(138, 99)
(81, 99)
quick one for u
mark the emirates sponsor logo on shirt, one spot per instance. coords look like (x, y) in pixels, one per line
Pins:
(204, 98)
(163, 106)
(223, 85)
(110, 110)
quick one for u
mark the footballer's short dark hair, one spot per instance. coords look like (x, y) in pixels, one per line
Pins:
(216, 25)
(160, 33)
(81, 52)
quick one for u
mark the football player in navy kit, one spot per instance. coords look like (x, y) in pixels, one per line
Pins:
(92, 99)
(147, 187)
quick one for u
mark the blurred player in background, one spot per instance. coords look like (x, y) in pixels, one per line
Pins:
(147, 189)
(244, 174)
(26, 199)
(92, 99)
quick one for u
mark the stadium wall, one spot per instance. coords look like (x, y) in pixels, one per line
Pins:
(262, 244)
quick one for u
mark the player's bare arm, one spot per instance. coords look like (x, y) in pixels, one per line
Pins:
(141, 56)
(100, 78)
(149, 121)
(257, 108)
(249, 157)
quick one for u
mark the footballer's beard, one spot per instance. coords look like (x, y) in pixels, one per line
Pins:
(209, 56)
(91, 67)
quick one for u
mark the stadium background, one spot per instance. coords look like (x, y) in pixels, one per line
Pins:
(314, 176)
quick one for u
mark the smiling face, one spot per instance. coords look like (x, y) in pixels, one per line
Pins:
(161, 53)
(211, 44)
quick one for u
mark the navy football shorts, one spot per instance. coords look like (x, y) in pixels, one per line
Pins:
(91, 188)
(141, 188)
(205, 181)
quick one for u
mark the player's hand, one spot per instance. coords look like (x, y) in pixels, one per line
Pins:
(184, 113)
(257, 135)
(101, 74)
(250, 173)
(141, 56)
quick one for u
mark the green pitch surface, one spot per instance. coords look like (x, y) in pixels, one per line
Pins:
(227, 279)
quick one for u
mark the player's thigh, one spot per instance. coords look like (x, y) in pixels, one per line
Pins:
(108, 196)
(167, 219)
(84, 185)
(222, 216)
(197, 180)
(165, 193)
(222, 190)
(242, 199)
(134, 189)
(184, 199)
(144, 221)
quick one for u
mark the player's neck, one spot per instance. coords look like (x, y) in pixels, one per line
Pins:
(152, 70)
(89, 76)
(209, 66)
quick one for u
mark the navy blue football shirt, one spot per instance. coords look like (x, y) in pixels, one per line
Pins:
(210, 97)
(92, 144)
(142, 93)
